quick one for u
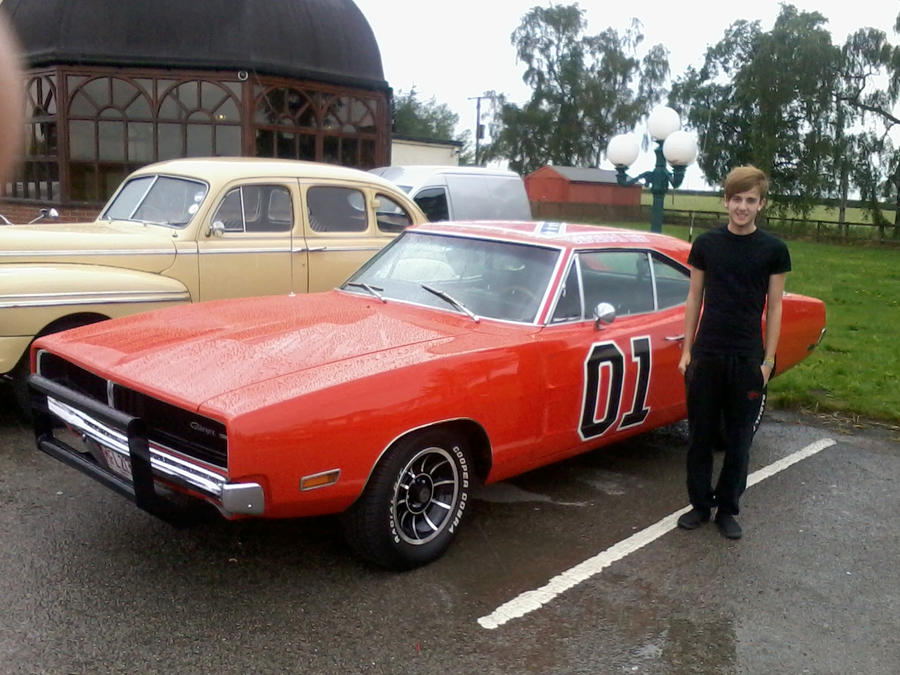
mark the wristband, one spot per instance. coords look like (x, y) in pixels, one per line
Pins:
(769, 362)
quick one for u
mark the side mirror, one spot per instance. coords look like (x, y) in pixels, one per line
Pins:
(50, 213)
(604, 314)
(217, 229)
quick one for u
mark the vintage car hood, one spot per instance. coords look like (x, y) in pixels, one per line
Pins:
(192, 353)
(149, 248)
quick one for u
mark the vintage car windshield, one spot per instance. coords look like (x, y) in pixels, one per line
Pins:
(481, 277)
(161, 200)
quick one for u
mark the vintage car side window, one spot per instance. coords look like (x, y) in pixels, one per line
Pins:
(162, 200)
(621, 278)
(336, 209)
(256, 208)
(433, 202)
(391, 217)
(672, 282)
(568, 306)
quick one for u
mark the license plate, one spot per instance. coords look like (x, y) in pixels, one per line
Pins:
(118, 464)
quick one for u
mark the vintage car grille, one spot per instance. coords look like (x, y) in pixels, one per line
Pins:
(168, 426)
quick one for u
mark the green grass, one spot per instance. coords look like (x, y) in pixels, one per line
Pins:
(856, 369)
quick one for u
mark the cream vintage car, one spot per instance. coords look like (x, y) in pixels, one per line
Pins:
(187, 230)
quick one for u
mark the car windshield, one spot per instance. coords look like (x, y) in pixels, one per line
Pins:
(479, 277)
(161, 200)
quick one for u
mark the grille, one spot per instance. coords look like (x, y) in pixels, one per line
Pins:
(187, 432)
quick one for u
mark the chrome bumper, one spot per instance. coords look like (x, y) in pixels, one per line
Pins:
(126, 436)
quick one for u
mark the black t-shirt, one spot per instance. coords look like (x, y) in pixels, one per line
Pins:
(736, 279)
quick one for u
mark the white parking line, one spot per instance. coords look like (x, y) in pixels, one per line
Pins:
(531, 600)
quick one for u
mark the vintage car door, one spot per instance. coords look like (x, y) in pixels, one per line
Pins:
(344, 227)
(608, 382)
(245, 249)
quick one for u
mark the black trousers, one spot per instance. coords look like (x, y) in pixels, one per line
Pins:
(724, 395)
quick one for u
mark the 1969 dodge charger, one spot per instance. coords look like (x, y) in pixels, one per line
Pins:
(461, 353)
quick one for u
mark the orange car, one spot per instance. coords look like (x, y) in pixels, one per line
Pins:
(462, 352)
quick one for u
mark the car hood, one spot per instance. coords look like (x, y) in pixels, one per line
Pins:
(149, 248)
(193, 353)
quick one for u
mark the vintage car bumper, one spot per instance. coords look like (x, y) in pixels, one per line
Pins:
(112, 437)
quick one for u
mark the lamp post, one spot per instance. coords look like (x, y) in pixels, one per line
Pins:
(672, 144)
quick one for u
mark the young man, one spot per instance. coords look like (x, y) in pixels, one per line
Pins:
(736, 271)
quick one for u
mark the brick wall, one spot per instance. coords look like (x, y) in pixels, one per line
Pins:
(17, 212)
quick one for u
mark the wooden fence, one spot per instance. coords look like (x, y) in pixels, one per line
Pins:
(794, 228)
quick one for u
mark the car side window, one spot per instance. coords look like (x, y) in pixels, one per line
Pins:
(672, 282)
(336, 209)
(391, 217)
(621, 278)
(433, 202)
(568, 306)
(256, 208)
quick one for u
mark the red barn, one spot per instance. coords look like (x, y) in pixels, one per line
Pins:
(584, 186)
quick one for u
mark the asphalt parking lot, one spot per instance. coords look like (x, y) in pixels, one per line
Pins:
(90, 584)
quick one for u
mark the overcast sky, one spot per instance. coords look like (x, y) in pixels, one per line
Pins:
(460, 49)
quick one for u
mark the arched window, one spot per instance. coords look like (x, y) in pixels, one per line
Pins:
(198, 119)
(39, 173)
(286, 123)
(297, 124)
(349, 132)
(110, 133)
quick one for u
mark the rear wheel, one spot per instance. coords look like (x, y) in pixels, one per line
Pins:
(414, 502)
(20, 373)
(21, 392)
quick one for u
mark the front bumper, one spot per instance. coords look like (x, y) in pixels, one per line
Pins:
(105, 428)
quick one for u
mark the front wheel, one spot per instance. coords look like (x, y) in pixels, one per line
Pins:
(414, 502)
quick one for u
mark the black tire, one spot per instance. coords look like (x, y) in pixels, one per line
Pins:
(21, 391)
(414, 502)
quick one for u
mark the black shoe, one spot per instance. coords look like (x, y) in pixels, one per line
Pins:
(693, 519)
(728, 526)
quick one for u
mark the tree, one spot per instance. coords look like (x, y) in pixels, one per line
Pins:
(866, 59)
(427, 119)
(768, 99)
(585, 89)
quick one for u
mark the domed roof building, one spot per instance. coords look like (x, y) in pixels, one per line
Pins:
(116, 84)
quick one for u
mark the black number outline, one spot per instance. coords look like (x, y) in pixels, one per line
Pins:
(610, 356)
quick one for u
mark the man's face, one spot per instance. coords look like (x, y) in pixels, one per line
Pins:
(743, 207)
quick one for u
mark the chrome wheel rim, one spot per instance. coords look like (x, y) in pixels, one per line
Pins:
(424, 496)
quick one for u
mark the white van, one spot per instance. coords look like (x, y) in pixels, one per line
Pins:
(462, 192)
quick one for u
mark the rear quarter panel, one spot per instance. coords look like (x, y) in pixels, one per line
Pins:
(802, 321)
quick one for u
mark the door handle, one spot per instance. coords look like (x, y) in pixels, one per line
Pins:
(674, 338)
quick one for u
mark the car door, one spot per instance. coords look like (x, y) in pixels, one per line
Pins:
(247, 247)
(611, 381)
(344, 226)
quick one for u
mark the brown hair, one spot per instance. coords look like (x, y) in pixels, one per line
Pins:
(743, 178)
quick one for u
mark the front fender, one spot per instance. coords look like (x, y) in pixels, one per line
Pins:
(34, 296)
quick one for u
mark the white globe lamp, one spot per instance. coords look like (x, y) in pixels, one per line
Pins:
(662, 122)
(623, 150)
(680, 148)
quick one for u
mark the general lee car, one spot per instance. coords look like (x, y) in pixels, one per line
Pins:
(462, 352)
(186, 230)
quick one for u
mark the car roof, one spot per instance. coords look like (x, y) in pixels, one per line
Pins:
(563, 235)
(419, 173)
(229, 168)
